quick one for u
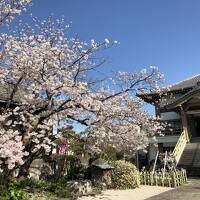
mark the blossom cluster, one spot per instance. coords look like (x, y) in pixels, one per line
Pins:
(11, 148)
(10, 8)
(53, 76)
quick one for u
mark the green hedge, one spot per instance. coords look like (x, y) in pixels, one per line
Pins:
(124, 175)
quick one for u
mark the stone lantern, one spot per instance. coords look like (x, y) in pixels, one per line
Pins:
(101, 173)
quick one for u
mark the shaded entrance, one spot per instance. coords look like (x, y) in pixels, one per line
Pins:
(197, 127)
(194, 125)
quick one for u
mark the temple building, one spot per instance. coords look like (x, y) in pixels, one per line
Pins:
(179, 106)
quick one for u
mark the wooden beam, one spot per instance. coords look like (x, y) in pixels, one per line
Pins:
(189, 112)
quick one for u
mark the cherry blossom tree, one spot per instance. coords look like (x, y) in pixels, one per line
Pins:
(50, 76)
(10, 8)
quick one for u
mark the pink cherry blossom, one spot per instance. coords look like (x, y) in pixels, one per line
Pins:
(50, 77)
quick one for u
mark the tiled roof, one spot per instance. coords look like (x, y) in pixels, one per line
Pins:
(187, 83)
(180, 100)
(102, 164)
(181, 87)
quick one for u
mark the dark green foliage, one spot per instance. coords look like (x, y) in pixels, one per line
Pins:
(17, 194)
(76, 144)
(57, 188)
(13, 191)
(111, 154)
(19, 189)
(75, 168)
(70, 165)
(62, 191)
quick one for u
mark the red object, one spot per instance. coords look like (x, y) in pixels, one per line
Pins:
(62, 149)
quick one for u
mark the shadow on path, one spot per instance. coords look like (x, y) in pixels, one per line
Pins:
(190, 191)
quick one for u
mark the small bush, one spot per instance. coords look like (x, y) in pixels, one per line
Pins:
(59, 188)
(62, 192)
(17, 194)
(124, 175)
(18, 189)
(12, 191)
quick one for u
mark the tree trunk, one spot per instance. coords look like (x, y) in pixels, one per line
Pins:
(24, 169)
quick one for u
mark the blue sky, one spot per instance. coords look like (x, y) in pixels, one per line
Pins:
(165, 33)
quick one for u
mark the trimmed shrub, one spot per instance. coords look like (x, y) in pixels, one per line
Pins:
(124, 175)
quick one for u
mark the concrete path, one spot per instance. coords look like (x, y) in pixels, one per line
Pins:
(191, 191)
(141, 193)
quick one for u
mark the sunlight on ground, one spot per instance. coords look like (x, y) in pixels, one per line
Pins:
(141, 193)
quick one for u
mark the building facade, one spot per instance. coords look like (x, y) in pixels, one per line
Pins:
(179, 106)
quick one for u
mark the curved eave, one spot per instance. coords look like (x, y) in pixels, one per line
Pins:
(151, 98)
(183, 99)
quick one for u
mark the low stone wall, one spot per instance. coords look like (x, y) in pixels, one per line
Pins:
(80, 188)
(39, 168)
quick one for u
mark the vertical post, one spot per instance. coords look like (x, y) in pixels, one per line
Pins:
(165, 162)
(169, 180)
(156, 178)
(174, 179)
(154, 166)
(137, 159)
(145, 177)
(185, 173)
(148, 178)
(162, 180)
(184, 123)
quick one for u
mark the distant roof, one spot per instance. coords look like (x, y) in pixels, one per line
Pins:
(172, 103)
(5, 92)
(182, 86)
(102, 164)
(187, 83)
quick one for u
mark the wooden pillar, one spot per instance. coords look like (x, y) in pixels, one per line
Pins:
(160, 147)
(184, 122)
(157, 110)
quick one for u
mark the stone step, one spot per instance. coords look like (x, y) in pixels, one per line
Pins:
(195, 140)
(190, 159)
(191, 171)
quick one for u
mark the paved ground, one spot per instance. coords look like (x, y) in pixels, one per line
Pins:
(141, 193)
(191, 191)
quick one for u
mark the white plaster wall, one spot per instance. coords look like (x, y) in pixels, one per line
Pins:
(169, 144)
(168, 141)
(164, 139)
(169, 116)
